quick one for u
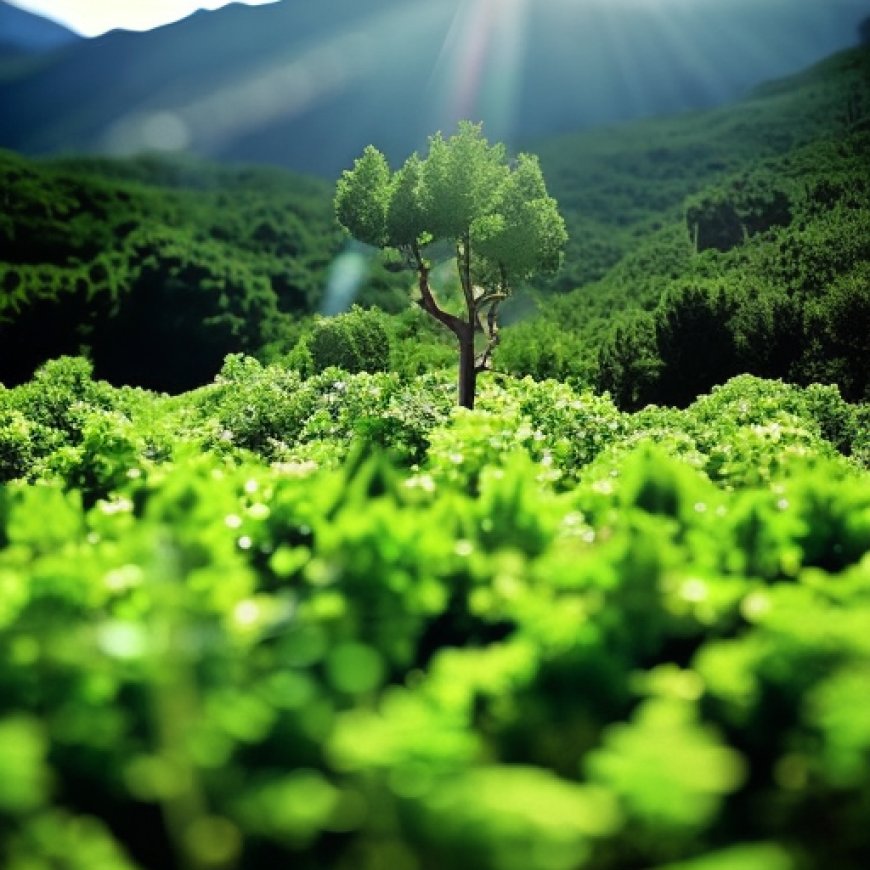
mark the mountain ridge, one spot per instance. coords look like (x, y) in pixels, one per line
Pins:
(307, 87)
(26, 32)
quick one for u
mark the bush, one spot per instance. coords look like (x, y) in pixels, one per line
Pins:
(541, 349)
(355, 342)
(44, 423)
(628, 362)
(695, 342)
(839, 326)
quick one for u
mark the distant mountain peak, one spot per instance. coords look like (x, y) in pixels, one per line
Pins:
(25, 32)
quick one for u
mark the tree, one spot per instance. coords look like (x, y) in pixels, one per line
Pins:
(628, 361)
(694, 334)
(495, 214)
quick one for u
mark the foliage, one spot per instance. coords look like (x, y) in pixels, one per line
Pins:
(356, 342)
(63, 423)
(272, 411)
(723, 218)
(94, 253)
(317, 616)
(544, 634)
(777, 187)
(543, 349)
(789, 302)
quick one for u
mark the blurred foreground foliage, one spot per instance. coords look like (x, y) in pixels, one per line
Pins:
(334, 622)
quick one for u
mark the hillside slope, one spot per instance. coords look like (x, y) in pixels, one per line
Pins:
(617, 183)
(777, 182)
(159, 268)
(308, 85)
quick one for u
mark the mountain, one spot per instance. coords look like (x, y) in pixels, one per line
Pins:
(307, 85)
(22, 32)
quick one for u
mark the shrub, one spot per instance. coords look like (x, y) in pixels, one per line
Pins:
(355, 342)
(496, 662)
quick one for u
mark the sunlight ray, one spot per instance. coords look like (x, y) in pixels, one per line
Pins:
(286, 89)
(623, 53)
(700, 81)
(479, 71)
(503, 82)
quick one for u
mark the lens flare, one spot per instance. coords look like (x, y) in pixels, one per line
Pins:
(347, 274)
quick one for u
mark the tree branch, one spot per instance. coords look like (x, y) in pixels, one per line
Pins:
(493, 296)
(427, 299)
(463, 264)
(484, 360)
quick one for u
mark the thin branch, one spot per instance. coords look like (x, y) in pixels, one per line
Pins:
(484, 360)
(489, 298)
(463, 267)
(427, 299)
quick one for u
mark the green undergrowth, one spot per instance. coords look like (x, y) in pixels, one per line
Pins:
(335, 623)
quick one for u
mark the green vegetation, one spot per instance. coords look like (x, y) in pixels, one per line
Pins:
(341, 623)
(751, 221)
(502, 227)
(122, 258)
(746, 226)
(780, 288)
(309, 612)
(358, 341)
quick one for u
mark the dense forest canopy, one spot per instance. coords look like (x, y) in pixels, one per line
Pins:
(121, 257)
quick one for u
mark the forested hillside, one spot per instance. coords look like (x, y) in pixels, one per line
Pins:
(157, 268)
(743, 229)
(747, 227)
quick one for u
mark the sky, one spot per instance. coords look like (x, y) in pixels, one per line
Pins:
(93, 17)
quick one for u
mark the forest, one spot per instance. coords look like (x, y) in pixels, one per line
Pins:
(271, 598)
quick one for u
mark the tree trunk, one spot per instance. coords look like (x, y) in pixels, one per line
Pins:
(467, 369)
(464, 331)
